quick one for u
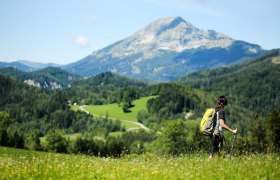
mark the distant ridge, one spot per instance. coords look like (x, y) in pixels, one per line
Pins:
(27, 66)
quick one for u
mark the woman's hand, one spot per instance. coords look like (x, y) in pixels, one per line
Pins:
(234, 131)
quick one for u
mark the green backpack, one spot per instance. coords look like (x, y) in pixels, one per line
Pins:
(208, 123)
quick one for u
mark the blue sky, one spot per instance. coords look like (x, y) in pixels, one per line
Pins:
(64, 31)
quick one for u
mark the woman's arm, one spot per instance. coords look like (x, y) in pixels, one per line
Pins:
(222, 123)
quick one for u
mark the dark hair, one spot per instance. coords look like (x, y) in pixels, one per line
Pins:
(222, 100)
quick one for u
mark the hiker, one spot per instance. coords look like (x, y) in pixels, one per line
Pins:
(217, 136)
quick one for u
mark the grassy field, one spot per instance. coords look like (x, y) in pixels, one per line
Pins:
(115, 111)
(23, 164)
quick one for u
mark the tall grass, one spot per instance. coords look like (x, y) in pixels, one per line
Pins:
(23, 164)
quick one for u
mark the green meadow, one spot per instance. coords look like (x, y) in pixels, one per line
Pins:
(115, 112)
(25, 164)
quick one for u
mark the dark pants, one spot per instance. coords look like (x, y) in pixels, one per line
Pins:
(216, 144)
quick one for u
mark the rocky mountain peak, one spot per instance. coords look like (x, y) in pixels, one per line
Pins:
(164, 50)
(166, 34)
(164, 24)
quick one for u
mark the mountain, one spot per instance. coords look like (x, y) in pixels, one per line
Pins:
(47, 78)
(37, 65)
(16, 65)
(253, 85)
(164, 50)
(27, 66)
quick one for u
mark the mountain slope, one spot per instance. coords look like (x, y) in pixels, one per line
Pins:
(48, 78)
(165, 50)
(254, 84)
(16, 65)
(104, 88)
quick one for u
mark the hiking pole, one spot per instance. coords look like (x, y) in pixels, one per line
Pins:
(226, 144)
(232, 145)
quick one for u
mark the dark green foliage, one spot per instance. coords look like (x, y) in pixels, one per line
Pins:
(273, 131)
(105, 88)
(10, 134)
(130, 142)
(127, 95)
(89, 146)
(174, 100)
(115, 147)
(173, 139)
(5, 123)
(15, 137)
(32, 140)
(34, 108)
(199, 141)
(257, 134)
(56, 141)
(135, 141)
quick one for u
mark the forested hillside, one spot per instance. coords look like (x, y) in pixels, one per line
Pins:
(32, 107)
(254, 85)
(47, 78)
(27, 113)
(104, 88)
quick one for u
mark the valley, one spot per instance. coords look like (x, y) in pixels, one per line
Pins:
(115, 112)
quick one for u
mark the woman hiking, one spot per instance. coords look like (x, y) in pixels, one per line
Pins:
(217, 137)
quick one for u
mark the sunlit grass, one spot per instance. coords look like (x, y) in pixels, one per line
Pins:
(75, 108)
(23, 164)
(115, 111)
(115, 134)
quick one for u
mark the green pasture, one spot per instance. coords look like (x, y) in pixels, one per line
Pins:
(24, 164)
(115, 111)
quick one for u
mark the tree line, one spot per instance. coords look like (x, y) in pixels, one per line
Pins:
(176, 138)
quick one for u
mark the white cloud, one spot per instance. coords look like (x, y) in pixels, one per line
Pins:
(81, 40)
